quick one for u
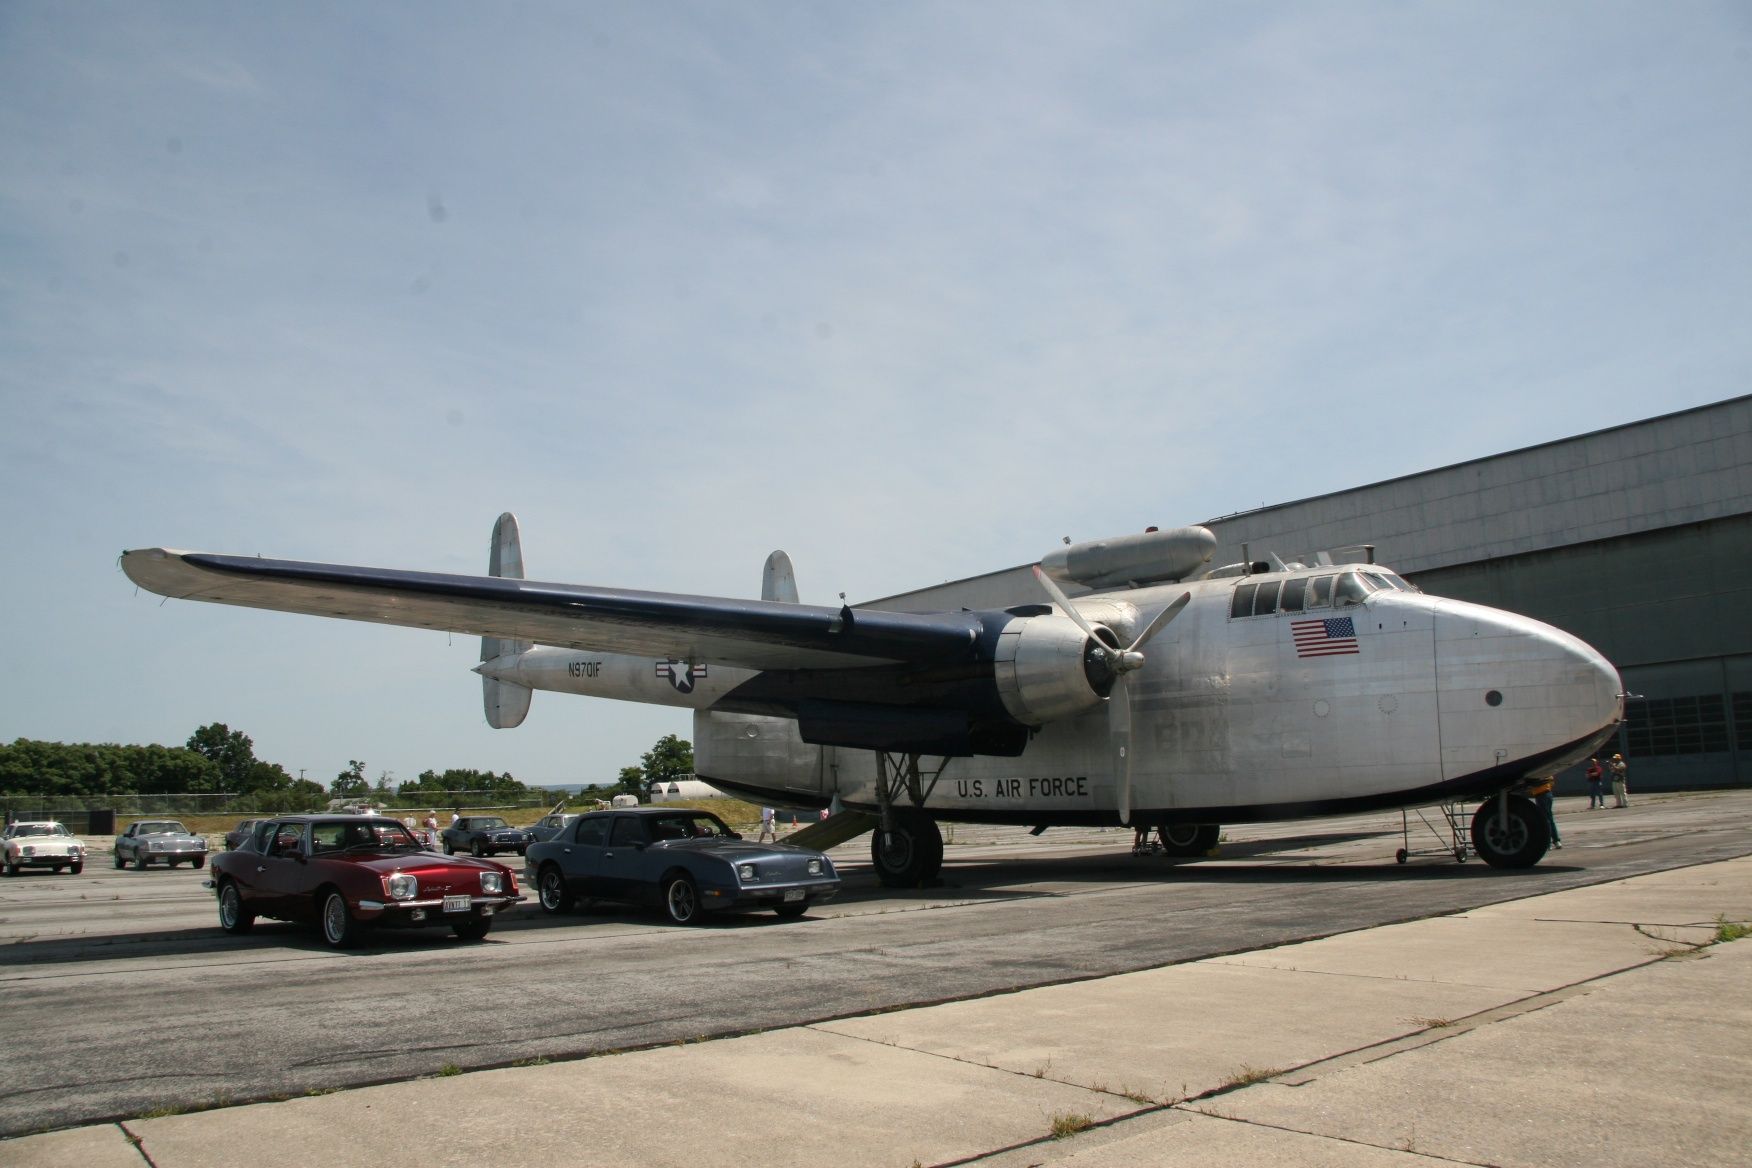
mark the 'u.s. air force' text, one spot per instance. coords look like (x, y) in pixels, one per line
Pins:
(1048, 788)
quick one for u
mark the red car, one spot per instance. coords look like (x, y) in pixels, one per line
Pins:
(352, 873)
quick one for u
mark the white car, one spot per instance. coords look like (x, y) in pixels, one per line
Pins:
(42, 844)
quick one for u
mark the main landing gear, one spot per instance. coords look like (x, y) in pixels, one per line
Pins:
(906, 848)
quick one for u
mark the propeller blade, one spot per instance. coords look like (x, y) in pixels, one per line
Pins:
(1063, 602)
(1119, 732)
(1162, 619)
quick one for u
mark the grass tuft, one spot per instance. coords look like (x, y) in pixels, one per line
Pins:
(1727, 930)
(1064, 1124)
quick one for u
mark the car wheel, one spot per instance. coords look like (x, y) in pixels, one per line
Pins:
(555, 898)
(477, 849)
(142, 863)
(198, 861)
(11, 868)
(791, 912)
(448, 850)
(681, 899)
(172, 863)
(120, 863)
(339, 928)
(474, 929)
(234, 918)
(76, 867)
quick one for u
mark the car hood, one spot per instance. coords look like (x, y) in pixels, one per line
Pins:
(415, 862)
(734, 849)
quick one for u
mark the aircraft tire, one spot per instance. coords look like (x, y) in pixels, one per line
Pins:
(909, 856)
(1190, 839)
(1519, 844)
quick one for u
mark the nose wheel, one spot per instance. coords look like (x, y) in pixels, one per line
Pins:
(1509, 831)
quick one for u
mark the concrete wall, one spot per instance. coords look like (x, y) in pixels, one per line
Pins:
(1682, 468)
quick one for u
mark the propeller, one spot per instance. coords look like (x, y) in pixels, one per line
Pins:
(1122, 663)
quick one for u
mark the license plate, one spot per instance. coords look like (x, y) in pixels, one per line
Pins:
(793, 894)
(456, 904)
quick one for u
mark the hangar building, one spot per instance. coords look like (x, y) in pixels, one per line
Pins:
(1637, 538)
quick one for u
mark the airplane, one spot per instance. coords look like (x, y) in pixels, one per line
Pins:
(1168, 695)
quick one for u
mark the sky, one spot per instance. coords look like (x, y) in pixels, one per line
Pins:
(910, 291)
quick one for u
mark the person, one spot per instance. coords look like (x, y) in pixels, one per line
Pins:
(1596, 789)
(1620, 797)
(431, 826)
(1542, 795)
(767, 834)
(455, 814)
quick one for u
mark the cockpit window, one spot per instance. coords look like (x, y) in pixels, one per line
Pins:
(1320, 592)
(1265, 600)
(1350, 589)
(1292, 597)
(1241, 600)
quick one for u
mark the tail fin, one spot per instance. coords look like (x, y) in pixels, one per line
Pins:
(777, 580)
(506, 702)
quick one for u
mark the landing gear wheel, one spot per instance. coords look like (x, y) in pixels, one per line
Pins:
(339, 928)
(1190, 839)
(682, 900)
(233, 917)
(909, 856)
(474, 929)
(791, 912)
(1515, 841)
(551, 885)
(1401, 856)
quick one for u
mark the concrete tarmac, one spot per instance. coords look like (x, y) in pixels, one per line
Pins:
(1603, 1025)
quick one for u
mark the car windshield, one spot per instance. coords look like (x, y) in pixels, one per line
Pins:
(167, 827)
(697, 826)
(376, 835)
(41, 829)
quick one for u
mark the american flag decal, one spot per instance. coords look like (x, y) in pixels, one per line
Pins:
(1332, 637)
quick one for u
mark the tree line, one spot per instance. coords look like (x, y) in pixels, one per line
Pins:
(217, 760)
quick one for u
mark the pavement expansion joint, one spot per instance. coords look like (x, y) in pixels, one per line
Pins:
(1408, 1146)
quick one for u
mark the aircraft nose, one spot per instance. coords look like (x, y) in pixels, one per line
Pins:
(1517, 693)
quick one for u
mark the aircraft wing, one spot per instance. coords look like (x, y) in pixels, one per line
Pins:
(748, 634)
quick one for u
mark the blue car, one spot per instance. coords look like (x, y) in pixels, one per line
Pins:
(686, 862)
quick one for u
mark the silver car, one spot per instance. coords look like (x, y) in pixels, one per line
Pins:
(149, 840)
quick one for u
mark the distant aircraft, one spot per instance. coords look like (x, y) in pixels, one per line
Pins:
(1254, 692)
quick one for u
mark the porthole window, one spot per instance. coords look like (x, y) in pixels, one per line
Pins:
(1493, 698)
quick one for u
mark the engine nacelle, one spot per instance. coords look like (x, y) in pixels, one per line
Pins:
(1046, 668)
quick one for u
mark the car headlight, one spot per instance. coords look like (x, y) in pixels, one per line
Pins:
(491, 882)
(74, 851)
(815, 867)
(27, 850)
(745, 872)
(401, 886)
